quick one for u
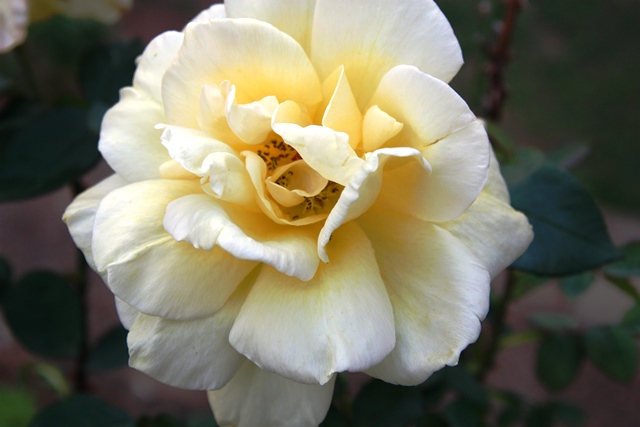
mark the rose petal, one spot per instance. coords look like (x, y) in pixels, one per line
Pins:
(342, 113)
(147, 268)
(191, 354)
(369, 37)
(129, 141)
(250, 122)
(205, 224)
(154, 61)
(254, 56)
(255, 397)
(438, 291)
(377, 128)
(126, 313)
(341, 320)
(81, 213)
(217, 11)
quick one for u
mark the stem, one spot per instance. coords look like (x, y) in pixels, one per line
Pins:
(80, 373)
(500, 57)
(500, 316)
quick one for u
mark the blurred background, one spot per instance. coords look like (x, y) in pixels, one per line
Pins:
(574, 87)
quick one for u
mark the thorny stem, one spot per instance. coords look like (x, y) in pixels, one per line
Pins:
(499, 316)
(500, 56)
(82, 355)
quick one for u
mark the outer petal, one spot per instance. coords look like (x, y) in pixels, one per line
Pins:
(439, 124)
(341, 320)
(293, 17)
(126, 313)
(258, 398)
(217, 11)
(81, 213)
(363, 188)
(154, 61)
(147, 268)
(369, 37)
(493, 231)
(205, 224)
(192, 354)
(254, 56)
(129, 141)
(438, 291)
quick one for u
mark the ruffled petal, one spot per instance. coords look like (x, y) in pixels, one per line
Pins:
(191, 354)
(364, 187)
(254, 56)
(438, 291)
(250, 122)
(439, 124)
(377, 128)
(129, 140)
(342, 113)
(217, 11)
(258, 398)
(293, 17)
(341, 320)
(154, 61)
(369, 37)
(147, 268)
(81, 213)
(205, 224)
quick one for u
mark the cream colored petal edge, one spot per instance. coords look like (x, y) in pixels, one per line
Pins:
(439, 294)
(293, 17)
(255, 397)
(364, 186)
(81, 213)
(369, 37)
(254, 56)
(129, 140)
(341, 320)
(154, 61)
(147, 268)
(205, 223)
(126, 313)
(217, 11)
(191, 354)
(342, 113)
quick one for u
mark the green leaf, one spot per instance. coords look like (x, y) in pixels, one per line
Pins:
(202, 421)
(612, 349)
(525, 283)
(43, 313)
(632, 319)
(629, 266)
(558, 360)
(17, 407)
(570, 235)
(461, 380)
(111, 350)
(463, 413)
(334, 418)
(108, 68)
(82, 411)
(625, 286)
(51, 150)
(574, 286)
(513, 410)
(546, 415)
(553, 322)
(380, 404)
(157, 421)
(52, 377)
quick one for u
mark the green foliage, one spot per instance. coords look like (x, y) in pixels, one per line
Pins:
(548, 414)
(53, 148)
(82, 411)
(632, 319)
(463, 413)
(111, 350)
(574, 286)
(629, 266)
(380, 404)
(17, 406)
(613, 350)
(43, 313)
(553, 322)
(558, 361)
(570, 235)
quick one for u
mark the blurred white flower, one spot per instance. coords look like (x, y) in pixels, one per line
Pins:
(14, 16)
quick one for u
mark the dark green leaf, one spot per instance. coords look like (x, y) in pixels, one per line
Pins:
(380, 404)
(111, 350)
(17, 407)
(558, 360)
(553, 322)
(525, 283)
(54, 148)
(632, 319)
(334, 418)
(540, 416)
(108, 68)
(625, 286)
(463, 413)
(44, 314)
(567, 413)
(630, 265)
(157, 421)
(522, 165)
(546, 415)
(513, 411)
(432, 420)
(570, 235)
(202, 421)
(461, 380)
(574, 286)
(82, 411)
(613, 350)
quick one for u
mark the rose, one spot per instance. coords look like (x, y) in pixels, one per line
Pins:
(13, 23)
(298, 192)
